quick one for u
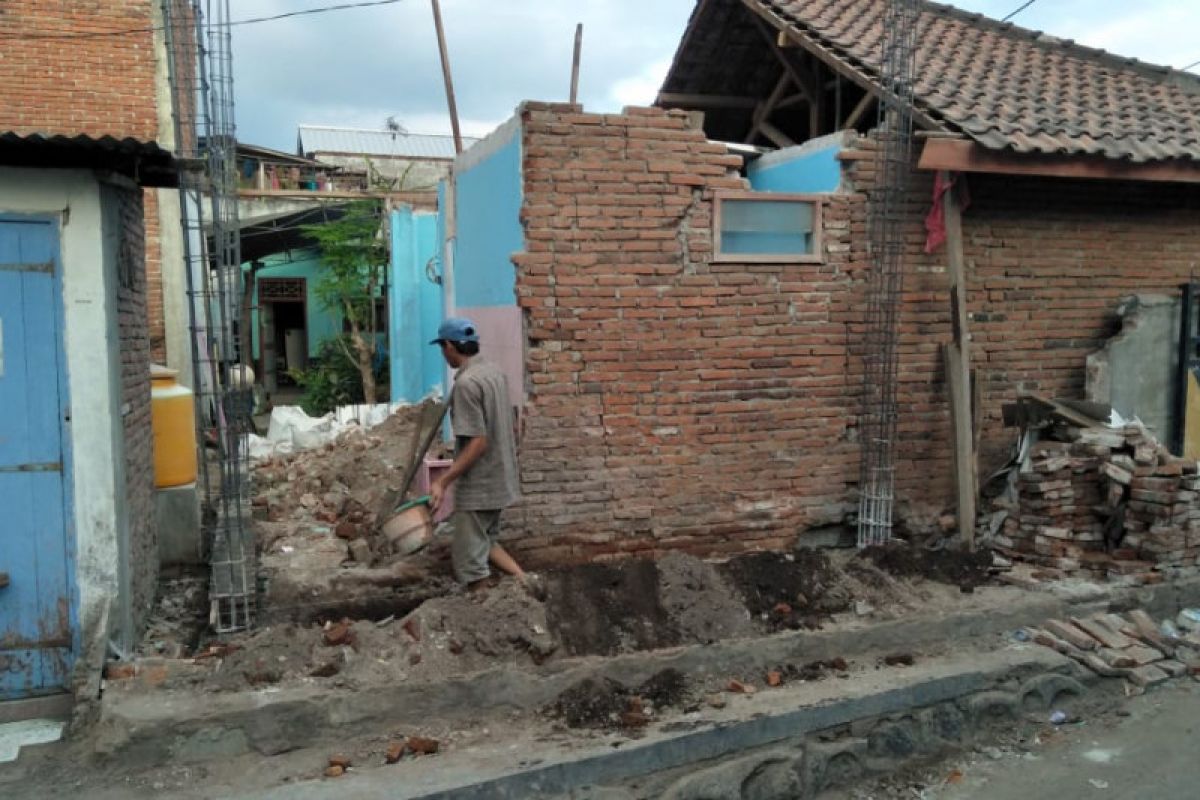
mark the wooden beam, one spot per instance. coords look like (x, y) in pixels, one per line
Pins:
(856, 114)
(960, 155)
(575, 63)
(777, 136)
(705, 100)
(763, 113)
(803, 79)
(958, 368)
(795, 99)
(831, 60)
(449, 81)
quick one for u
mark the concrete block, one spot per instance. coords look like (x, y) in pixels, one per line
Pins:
(177, 514)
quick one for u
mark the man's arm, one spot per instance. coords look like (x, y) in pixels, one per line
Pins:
(465, 459)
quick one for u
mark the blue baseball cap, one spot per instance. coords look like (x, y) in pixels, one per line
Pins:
(456, 329)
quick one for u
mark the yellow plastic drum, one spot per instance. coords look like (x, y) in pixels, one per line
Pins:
(172, 410)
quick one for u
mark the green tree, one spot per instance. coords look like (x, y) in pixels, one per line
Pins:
(355, 258)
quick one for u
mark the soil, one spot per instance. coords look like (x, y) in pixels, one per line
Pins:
(789, 590)
(703, 606)
(179, 619)
(602, 703)
(962, 568)
(597, 609)
(603, 609)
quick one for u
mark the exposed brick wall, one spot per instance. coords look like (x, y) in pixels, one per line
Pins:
(1047, 261)
(679, 403)
(135, 401)
(98, 86)
(673, 402)
(154, 278)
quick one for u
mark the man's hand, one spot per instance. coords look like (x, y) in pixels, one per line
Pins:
(437, 493)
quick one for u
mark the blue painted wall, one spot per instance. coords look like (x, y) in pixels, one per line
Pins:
(415, 305)
(322, 323)
(811, 168)
(488, 200)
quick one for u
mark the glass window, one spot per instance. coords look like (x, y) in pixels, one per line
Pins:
(759, 227)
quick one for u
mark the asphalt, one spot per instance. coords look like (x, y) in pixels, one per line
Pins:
(1148, 755)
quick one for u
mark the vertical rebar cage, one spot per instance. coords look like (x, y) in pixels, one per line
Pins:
(198, 40)
(893, 168)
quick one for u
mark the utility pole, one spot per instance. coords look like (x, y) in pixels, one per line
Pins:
(441, 37)
(575, 63)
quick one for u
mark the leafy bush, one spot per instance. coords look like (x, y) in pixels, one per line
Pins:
(334, 379)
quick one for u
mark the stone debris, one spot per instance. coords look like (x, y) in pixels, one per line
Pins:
(1131, 647)
(1107, 503)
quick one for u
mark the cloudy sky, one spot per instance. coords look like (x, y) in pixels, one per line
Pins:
(358, 67)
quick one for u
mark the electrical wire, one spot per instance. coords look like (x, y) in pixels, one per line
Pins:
(30, 35)
(1019, 10)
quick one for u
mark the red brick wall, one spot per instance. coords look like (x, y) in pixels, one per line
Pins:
(154, 280)
(673, 402)
(678, 403)
(97, 86)
(135, 398)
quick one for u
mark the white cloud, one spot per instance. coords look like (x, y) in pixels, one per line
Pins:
(640, 89)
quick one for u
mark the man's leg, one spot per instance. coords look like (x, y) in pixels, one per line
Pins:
(500, 557)
(469, 548)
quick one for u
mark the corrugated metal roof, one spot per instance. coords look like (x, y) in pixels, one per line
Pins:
(326, 139)
(143, 161)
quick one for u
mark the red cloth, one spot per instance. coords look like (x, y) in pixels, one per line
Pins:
(935, 222)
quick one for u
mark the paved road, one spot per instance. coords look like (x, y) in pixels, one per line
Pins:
(1152, 754)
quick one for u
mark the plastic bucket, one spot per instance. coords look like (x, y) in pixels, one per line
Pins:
(411, 528)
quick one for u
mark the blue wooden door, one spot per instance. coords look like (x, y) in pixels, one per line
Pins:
(36, 629)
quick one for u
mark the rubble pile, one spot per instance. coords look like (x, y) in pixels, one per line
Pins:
(336, 489)
(1133, 647)
(1109, 502)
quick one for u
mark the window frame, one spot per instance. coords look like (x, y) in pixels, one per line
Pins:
(816, 257)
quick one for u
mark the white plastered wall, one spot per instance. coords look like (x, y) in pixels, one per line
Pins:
(93, 377)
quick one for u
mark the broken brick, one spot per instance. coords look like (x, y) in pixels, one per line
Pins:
(119, 671)
(335, 772)
(737, 687)
(422, 746)
(339, 760)
(774, 678)
(899, 660)
(394, 752)
(346, 530)
(339, 633)
(412, 628)
(782, 609)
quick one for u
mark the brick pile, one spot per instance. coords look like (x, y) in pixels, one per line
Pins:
(1133, 647)
(1109, 502)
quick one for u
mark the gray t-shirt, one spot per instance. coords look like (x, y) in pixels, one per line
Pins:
(479, 406)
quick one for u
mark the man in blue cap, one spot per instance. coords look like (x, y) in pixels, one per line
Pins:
(484, 471)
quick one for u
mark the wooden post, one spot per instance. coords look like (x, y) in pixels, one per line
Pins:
(575, 63)
(441, 37)
(958, 368)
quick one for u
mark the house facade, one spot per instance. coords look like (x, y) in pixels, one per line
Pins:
(692, 312)
(380, 160)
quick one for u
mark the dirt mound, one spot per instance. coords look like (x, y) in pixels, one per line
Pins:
(605, 703)
(340, 485)
(603, 609)
(789, 591)
(700, 603)
(591, 703)
(962, 568)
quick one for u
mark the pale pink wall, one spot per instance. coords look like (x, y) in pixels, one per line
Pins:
(502, 343)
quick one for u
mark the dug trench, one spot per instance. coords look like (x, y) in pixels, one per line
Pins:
(432, 633)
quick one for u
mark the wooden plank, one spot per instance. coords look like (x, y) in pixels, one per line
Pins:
(1068, 632)
(686, 100)
(575, 63)
(1102, 633)
(449, 81)
(762, 114)
(958, 370)
(830, 59)
(777, 136)
(856, 113)
(961, 155)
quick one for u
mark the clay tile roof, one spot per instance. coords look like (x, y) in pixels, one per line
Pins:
(1010, 88)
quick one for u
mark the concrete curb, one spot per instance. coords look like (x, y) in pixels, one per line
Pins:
(968, 680)
(154, 727)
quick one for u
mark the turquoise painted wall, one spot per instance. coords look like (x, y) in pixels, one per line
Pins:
(415, 306)
(488, 201)
(322, 324)
(812, 168)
